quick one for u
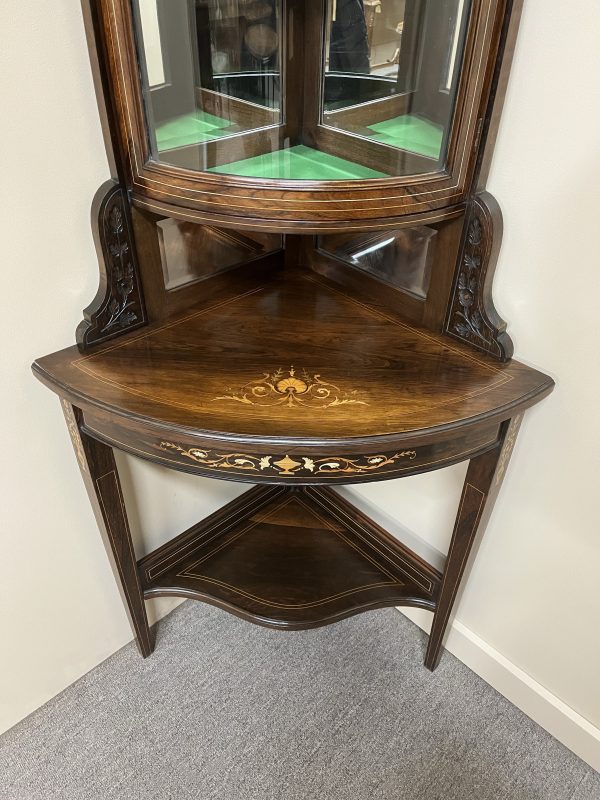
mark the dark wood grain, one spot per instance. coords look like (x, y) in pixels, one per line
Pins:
(482, 484)
(99, 472)
(359, 371)
(290, 559)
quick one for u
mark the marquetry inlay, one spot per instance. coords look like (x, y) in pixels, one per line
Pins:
(287, 388)
(287, 466)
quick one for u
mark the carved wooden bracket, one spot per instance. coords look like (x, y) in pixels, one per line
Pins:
(119, 303)
(472, 316)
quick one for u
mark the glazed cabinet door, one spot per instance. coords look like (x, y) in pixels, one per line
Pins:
(297, 112)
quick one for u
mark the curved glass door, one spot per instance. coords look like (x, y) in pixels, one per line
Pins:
(392, 70)
(301, 89)
(210, 72)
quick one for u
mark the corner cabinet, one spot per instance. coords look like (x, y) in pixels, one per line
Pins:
(296, 258)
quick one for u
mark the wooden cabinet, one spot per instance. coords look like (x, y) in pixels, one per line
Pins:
(296, 257)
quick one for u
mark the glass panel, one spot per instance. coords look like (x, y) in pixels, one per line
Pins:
(401, 258)
(219, 64)
(215, 74)
(392, 69)
(153, 46)
(191, 252)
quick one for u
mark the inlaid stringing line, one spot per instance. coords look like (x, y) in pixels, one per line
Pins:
(141, 633)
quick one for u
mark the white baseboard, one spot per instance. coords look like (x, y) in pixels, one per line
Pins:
(562, 722)
(551, 713)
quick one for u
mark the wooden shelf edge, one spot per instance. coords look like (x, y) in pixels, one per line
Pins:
(290, 559)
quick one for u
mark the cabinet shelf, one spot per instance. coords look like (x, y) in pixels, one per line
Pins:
(299, 163)
(290, 558)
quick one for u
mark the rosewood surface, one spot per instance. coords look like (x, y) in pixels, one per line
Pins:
(292, 370)
(290, 559)
(297, 359)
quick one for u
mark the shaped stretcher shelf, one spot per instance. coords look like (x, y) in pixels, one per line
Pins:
(290, 558)
(293, 382)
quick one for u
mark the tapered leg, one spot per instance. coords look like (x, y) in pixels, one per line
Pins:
(484, 477)
(99, 471)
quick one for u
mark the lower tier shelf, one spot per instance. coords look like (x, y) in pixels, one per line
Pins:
(290, 558)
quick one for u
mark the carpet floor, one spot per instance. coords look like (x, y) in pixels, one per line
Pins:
(224, 710)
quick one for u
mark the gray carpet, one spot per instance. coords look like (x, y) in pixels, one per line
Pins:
(224, 710)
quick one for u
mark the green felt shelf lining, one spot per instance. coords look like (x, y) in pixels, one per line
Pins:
(406, 132)
(411, 133)
(193, 128)
(299, 163)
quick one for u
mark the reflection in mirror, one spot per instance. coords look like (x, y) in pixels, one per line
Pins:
(371, 85)
(392, 69)
(190, 252)
(210, 70)
(400, 258)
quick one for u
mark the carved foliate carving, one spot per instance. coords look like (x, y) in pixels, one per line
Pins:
(119, 304)
(472, 316)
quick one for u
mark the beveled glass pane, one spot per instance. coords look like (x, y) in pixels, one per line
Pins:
(191, 252)
(391, 76)
(401, 258)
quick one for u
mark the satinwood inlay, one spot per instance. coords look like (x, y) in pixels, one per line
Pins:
(286, 388)
(287, 466)
(408, 379)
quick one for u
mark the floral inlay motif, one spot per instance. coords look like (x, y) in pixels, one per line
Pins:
(288, 466)
(286, 388)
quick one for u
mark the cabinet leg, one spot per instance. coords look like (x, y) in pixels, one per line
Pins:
(99, 472)
(484, 477)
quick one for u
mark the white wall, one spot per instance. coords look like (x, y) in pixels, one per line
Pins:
(533, 594)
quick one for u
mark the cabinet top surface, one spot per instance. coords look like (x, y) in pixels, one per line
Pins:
(293, 360)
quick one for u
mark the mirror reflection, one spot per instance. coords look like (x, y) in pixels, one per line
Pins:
(191, 252)
(400, 258)
(370, 84)
(391, 70)
(210, 69)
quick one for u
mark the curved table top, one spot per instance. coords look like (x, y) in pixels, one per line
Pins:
(294, 360)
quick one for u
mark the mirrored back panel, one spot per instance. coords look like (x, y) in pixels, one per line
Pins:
(190, 252)
(392, 69)
(400, 258)
(301, 89)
